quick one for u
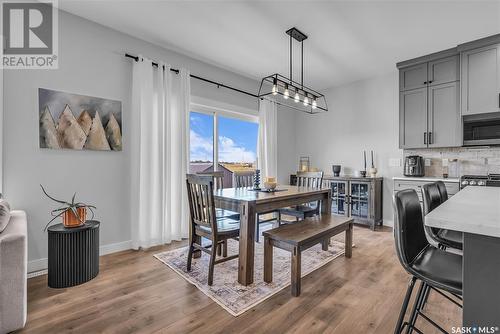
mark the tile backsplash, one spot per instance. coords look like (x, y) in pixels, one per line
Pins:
(471, 161)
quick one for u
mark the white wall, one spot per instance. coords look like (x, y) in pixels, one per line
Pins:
(91, 62)
(362, 116)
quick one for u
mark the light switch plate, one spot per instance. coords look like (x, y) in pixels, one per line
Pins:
(427, 162)
(394, 162)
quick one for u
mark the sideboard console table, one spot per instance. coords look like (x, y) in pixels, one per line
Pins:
(357, 197)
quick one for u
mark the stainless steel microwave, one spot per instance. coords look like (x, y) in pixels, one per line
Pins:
(482, 129)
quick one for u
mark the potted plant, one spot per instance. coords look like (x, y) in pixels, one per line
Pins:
(74, 213)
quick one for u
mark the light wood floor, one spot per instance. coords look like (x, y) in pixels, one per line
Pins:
(135, 293)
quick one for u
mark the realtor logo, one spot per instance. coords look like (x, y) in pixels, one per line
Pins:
(29, 35)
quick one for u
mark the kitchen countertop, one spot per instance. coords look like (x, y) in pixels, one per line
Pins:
(427, 178)
(350, 177)
(472, 210)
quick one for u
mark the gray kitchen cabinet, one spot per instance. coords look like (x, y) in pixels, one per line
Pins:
(443, 70)
(429, 116)
(413, 118)
(481, 80)
(413, 77)
(444, 125)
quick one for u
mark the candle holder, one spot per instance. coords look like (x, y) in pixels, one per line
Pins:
(256, 180)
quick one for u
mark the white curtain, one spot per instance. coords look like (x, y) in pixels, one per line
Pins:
(267, 160)
(159, 143)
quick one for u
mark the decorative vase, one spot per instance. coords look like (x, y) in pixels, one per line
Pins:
(70, 220)
(336, 170)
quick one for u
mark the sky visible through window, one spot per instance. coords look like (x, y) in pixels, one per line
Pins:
(237, 139)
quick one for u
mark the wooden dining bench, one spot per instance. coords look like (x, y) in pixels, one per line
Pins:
(300, 236)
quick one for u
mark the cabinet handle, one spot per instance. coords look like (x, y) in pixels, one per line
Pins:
(430, 138)
(425, 83)
(425, 138)
(430, 81)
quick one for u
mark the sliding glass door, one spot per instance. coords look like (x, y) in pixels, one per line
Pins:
(224, 142)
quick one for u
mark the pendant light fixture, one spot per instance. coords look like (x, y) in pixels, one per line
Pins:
(280, 89)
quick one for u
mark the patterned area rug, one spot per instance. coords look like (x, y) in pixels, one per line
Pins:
(234, 297)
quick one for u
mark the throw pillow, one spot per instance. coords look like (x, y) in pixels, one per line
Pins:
(4, 214)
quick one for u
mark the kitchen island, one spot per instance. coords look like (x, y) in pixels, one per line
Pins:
(475, 211)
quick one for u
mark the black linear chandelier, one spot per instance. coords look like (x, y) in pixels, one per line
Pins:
(291, 93)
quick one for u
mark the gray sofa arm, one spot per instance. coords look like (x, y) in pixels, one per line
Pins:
(13, 273)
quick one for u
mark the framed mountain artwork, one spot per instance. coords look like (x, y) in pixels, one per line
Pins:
(79, 122)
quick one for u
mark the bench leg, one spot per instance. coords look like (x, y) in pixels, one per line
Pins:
(348, 241)
(268, 260)
(324, 244)
(296, 272)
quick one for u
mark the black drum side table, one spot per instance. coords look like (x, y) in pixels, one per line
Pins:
(73, 254)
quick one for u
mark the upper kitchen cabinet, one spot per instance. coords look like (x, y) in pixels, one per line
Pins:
(413, 77)
(443, 70)
(444, 123)
(481, 80)
(413, 118)
(429, 112)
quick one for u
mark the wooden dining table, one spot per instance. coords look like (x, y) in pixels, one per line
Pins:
(249, 203)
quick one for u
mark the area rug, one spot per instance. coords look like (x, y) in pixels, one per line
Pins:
(234, 297)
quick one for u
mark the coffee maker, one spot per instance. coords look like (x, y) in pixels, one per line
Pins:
(414, 166)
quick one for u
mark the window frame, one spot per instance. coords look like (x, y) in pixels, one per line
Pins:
(215, 112)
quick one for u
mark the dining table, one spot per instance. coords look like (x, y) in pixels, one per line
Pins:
(249, 202)
(475, 211)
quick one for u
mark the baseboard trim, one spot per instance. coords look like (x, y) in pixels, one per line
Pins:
(39, 266)
(389, 223)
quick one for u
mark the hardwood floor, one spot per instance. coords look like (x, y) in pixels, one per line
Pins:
(135, 293)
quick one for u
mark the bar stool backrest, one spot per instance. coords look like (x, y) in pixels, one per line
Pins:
(442, 190)
(409, 232)
(431, 197)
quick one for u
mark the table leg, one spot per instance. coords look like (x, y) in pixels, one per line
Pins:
(325, 243)
(481, 274)
(348, 241)
(268, 260)
(247, 237)
(326, 204)
(296, 272)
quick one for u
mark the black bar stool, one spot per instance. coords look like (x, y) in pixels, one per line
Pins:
(433, 195)
(437, 269)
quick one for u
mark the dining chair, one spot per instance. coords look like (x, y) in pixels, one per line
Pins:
(433, 195)
(245, 179)
(310, 180)
(437, 269)
(205, 223)
(218, 178)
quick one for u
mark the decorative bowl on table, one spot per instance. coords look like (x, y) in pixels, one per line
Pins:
(270, 183)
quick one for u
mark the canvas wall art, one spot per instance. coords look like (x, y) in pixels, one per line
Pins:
(79, 122)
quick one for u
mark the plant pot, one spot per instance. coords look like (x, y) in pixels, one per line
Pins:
(70, 220)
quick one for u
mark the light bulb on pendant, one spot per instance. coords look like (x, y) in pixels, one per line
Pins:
(286, 93)
(275, 87)
(306, 100)
(314, 104)
(296, 97)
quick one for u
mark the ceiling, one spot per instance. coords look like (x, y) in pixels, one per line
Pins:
(348, 40)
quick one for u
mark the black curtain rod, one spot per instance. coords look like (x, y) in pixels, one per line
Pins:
(218, 84)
